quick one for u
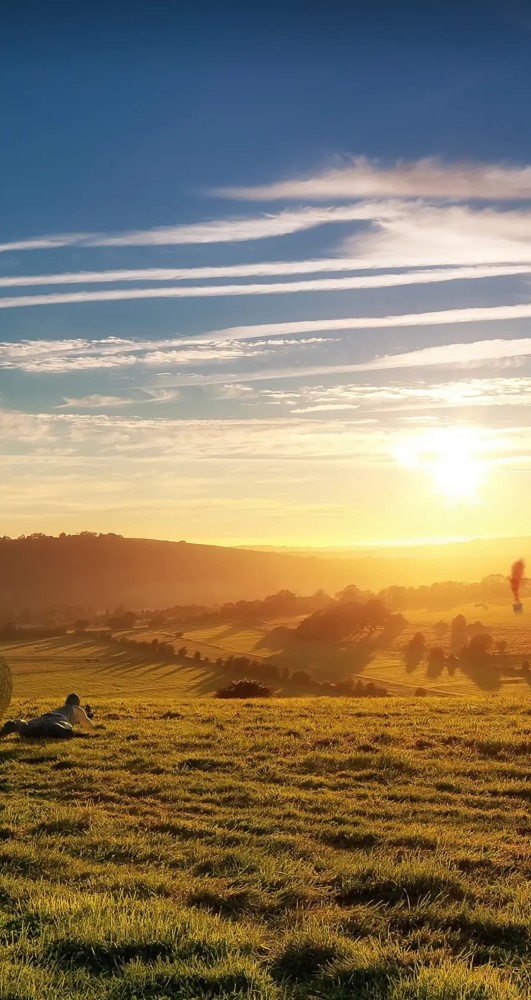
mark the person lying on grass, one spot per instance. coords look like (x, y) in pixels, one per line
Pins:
(58, 724)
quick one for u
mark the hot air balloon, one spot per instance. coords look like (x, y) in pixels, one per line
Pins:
(516, 579)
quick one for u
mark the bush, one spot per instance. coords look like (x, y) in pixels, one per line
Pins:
(244, 689)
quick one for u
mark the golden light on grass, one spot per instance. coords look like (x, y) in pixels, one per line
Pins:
(453, 458)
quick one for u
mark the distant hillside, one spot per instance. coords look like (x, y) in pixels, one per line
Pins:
(101, 571)
(414, 565)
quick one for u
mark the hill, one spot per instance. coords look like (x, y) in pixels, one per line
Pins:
(417, 564)
(102, 571)
(97, 572)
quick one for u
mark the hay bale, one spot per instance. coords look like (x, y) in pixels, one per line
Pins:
(6, 686)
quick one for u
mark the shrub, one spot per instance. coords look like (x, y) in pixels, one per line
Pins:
(244, 688)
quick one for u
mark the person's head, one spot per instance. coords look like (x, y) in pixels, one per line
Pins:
(73, 699)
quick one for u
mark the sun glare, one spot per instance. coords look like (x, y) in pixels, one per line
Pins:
(452, 457)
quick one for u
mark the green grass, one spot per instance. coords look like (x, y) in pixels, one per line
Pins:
(289, 850)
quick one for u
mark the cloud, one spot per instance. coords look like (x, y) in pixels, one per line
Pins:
(232, 230)
(364, 178)
(478, 354)
(442, 317)
(51, 242)
(160, 395)
(262, 269)
(56, 356)
(324, 407)
(95, 402)
(424, 235)
(233, 391)
(469, 393)
(100, 402)
(230, 344)
(111, 436)
(276, 288)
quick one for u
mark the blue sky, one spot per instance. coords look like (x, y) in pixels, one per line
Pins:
(262, 268)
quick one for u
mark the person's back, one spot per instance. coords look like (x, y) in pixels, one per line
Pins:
(58, 724)
(73, 714)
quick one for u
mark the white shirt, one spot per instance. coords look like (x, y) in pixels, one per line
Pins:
(75, 715)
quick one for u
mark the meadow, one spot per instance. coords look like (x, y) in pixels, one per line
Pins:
(101, 670)
(278, 850)
(292, 849)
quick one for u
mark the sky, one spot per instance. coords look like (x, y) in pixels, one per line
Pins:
(265, 271)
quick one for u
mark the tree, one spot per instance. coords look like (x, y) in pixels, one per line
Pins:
(121, 621)
(458, 632)
(282, 603)
(475, 628)
(80, 625)
(350, 593)
(300, 677)
(458, 623)
(395, 625)
(415, 650)
(344, 619)
(417, 644)
(441, 629)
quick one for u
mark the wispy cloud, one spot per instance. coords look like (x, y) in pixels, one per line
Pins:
(235, 343)
(231, 230)
(361, 177)
(55, 356)
(160, 395)
(267, 288)
(105, 435)
(260, 269)
(94, 402)
(478, 353)
(462, 393)
(442, 317)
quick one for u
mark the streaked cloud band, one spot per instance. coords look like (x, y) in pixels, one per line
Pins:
(365, 178)
(271, 288)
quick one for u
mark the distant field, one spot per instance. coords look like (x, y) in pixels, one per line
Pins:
(102, 670)
(286, 850)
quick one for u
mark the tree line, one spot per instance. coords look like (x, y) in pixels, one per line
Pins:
(245, 667)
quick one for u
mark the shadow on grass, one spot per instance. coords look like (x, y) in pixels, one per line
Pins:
(325, 660)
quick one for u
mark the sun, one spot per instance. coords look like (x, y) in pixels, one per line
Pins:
(452, 457)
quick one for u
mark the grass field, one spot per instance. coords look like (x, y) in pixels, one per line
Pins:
(101, 670)
(282, 850)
